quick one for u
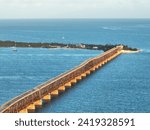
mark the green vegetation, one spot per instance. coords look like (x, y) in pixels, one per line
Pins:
(62, 45)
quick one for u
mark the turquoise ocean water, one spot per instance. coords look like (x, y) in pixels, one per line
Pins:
(123, 85)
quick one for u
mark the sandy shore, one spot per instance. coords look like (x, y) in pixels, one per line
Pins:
(129, 51)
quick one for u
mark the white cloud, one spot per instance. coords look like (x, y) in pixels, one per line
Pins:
(74, 8)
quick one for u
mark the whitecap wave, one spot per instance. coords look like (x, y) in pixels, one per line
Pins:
(111, 28)
(10, 77)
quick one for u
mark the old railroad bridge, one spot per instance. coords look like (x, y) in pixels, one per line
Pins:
(32, 99)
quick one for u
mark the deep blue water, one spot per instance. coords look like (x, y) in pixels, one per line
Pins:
(123, 85)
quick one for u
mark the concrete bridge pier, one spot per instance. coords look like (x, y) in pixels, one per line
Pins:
(31, 108)
(38, 103)
(83, 75)
(103, 63)
(47, 98)
(88, 72)
(68, 85)
(23, 111)
(93, 69)
(100, 65)
(54, 93)
(73, 81)
(78, 78)
(97, 66)
(61, 89)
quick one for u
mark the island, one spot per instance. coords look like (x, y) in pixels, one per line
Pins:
(104, 48)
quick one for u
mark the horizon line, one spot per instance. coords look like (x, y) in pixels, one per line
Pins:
(63, 18)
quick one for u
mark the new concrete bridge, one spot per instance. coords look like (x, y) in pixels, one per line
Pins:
(32, 99)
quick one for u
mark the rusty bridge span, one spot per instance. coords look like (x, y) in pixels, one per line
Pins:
(32, 99)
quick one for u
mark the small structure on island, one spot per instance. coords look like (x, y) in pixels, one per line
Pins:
(95, 47)
(82, 45)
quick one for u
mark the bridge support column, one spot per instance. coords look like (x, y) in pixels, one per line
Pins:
(109, 59)
(47, 98)
(73, 81)
(78, 78)
(106, 61)
(31, 108)
(88, 72)
(103, 63)
(61, 89)
(100, 65)
(54, 93)
(83, 75)
(23, 111)
(38, 104)
(93, 69)
(96, 66)
(68, 85)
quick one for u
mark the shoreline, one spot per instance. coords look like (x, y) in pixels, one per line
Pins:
(66, 46)
(130, 51)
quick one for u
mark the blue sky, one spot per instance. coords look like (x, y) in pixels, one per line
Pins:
(74, 9)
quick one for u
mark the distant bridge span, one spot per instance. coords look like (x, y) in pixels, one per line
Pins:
(32, 99)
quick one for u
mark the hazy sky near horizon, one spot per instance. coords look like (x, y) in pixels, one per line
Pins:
(74, 9)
